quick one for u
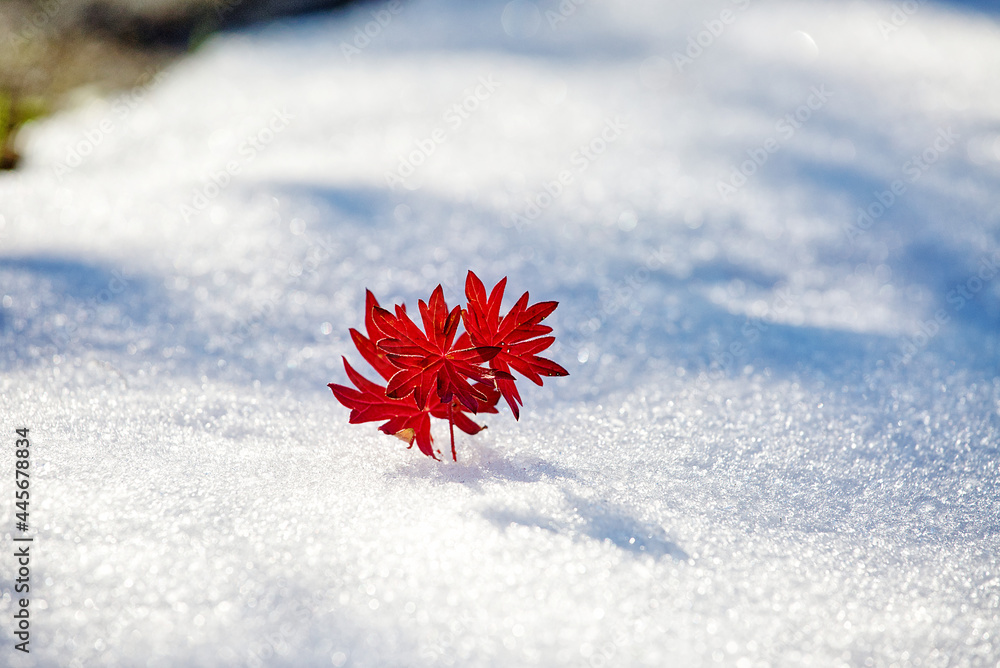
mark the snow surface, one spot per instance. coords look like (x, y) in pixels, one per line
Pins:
(778, 445)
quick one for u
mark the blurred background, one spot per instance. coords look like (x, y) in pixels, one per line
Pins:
(51, 49)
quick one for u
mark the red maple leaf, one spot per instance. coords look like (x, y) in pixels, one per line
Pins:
(518, 336)
(404, 419)
(433, 359)
(368, 403)
(437, 372)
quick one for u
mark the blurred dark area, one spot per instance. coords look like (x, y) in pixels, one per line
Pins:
(178, 23)
(51, 49)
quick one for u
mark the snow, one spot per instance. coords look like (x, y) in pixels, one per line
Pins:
(779, 441)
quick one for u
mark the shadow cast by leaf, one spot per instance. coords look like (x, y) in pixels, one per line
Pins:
(503, 518)
(600, 521)
(610, 522)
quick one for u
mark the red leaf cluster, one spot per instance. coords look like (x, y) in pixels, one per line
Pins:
(437, 371)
